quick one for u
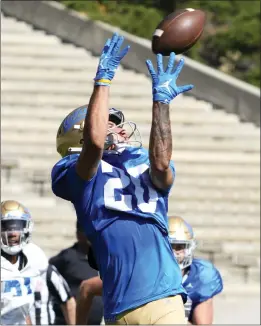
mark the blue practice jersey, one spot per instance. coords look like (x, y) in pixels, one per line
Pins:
(125, 218)
(202, 282)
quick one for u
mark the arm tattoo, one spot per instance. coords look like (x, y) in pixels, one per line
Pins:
(160, 136)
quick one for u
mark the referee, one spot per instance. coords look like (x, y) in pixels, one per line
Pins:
(53, 290)
(76, 265)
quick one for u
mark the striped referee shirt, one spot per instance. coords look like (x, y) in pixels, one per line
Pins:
(51, 288)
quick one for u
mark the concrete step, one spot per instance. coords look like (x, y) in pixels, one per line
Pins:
(181, 107)
(221, 252)
(78, 77)
(249, 248)
(179, 117)
(11, 140)
(63, 237)
(35, 152)
(178, 131)
(14, 29)
(230, 274)
(32, 200)
(67, 213)
(35, 38)
(182, 168)
(223, 220)
(71, 101)
(179, 134)
(222, 170)
(53, 243)
(233, 276)
(11, 25)
(201, 117)
(246, 260)
(245, 305)
(208, 207)
(25, 50)
(57, 101)
(179, 192)
(43, 62)
(182, 208)
(254, 274)
(222, 233)
(27, 186)
(184, 178)
(68, 88)
(51, 231)
(209, 182)
(183, 143)
(202, 233)
(195, 219)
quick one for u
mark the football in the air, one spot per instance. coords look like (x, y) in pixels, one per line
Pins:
(178, 32)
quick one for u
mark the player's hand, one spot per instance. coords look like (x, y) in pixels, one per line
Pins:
(110, 60)
(164, 87)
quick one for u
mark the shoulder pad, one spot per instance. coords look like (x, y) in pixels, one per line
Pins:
(63, 164)
(36, 257)
(59, 176)
(204, 281)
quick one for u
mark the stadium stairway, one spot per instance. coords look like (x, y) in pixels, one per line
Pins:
(217, 157)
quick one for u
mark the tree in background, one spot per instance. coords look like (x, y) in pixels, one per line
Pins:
(230, 42)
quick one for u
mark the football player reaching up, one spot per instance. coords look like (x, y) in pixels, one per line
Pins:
(16, 273)
(201, 279)
(120, 194)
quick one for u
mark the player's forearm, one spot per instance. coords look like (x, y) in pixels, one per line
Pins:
(203, 313)
(94, 133)
(96, 121)
(83, 307)
(160, 148)
(28, 320)
(88, 289)
(69, 311)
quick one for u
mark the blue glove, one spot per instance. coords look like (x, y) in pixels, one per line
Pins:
(110, 60)
(164, 87)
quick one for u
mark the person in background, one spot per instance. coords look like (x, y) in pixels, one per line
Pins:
(51, 289)
(28, 284)
(17, 273)
(73, 264)
(200, 277)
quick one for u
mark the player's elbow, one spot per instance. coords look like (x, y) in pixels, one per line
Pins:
(85, 289)
(163, 167)
(160, 166)
(159, 163)
(162, 179)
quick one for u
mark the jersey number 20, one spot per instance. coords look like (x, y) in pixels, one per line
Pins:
(126, 202)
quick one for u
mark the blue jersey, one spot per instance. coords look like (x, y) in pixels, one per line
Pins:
(125, 218)
(202, 282)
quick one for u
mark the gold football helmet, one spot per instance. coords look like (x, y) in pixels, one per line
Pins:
(16, 226)
(69, 137)
(182, 240)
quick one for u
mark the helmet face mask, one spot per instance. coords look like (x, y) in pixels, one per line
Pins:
(69, 138)
(183, 251)
(16, 227)
(115, 142)
(182, 240)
